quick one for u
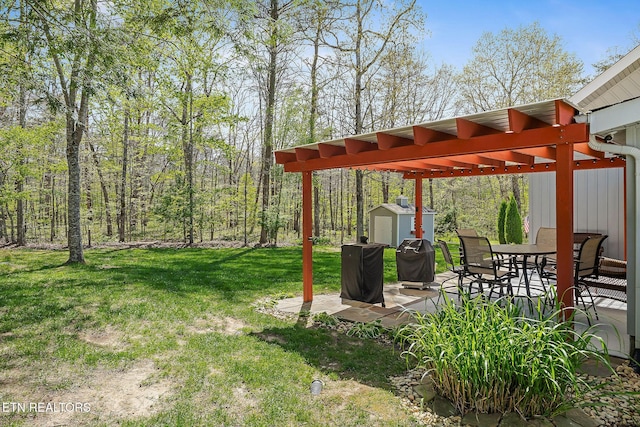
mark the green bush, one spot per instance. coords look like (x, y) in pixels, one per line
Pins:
(502, 214)
(325, 319)
(489, 358)
(368, 330)
(513, 223)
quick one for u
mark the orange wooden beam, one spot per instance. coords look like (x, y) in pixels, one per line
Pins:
(284, 157)
(304, 154)
(356, 146)
(387, 141)
(534, 138)
(544, 152)
(540, 167)
(307, 245)
(391, 167)
(564, 227)
(330, 150)
(512, 156)
(564, 113)
(422, 136)
(583, 147)
(413, 165)
(468, 129)
(519, 121)
(477, 160)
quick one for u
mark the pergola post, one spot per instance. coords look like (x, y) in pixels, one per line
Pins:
(418, 217)
(564, 225)
(307, 244)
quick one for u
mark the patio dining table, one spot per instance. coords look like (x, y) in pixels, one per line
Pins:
(524, 251)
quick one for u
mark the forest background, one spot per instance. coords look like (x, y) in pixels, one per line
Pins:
(127, 121)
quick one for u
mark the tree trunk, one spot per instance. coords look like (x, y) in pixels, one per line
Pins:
(20, 220)
(269, 119)
(103, 189)
(431, 202)
(89, 204)
(121, 213)
(385, 187)
(74, 237)
(358, 100)
(515, 188)
(187, 144)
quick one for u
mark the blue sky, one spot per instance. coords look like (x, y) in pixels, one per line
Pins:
(587, 28)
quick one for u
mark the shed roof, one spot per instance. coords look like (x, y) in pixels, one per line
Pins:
(399, 210)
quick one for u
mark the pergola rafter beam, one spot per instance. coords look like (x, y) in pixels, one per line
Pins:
(519, 121)
(548, 153)
(468, 129)
(613, 162)
(511, 156)
(522, 142)
(387, 141)
(422, 136)
(304, 154)
(330, 150)
(356, 146)
(584, 148)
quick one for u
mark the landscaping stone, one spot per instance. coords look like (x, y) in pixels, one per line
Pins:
(580, 417)
(481, 420)
(511, 419)
(564, 421)
(427, 392)
(539, 422)
(444, 407)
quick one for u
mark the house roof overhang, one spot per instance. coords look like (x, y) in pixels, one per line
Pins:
(521, 139)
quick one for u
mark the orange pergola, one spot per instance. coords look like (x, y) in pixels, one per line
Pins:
(540, 137)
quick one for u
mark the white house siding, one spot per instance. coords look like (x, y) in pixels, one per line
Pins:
(598, 205)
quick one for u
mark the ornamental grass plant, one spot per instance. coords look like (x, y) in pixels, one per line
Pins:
(489, 357)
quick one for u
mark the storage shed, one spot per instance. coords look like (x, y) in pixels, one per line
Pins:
(391, 223)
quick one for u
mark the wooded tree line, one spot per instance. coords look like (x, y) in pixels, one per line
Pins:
(157, 119)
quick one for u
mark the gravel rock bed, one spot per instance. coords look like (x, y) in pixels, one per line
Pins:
(609, 404)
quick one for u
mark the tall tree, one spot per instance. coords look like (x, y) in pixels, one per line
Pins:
(73, 41)
(517, 66)
(276, 30)
(370, 28)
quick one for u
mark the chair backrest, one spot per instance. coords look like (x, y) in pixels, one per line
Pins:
(579, 238)
(467, 232)
(478, 256)
(546, 236)
(589, 256)
(446, 254)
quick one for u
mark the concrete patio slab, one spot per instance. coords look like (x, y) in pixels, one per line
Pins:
(398, 300)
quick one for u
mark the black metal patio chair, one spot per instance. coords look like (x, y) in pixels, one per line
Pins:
(484, 267)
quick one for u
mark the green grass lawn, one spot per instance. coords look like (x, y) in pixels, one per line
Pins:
(172, 336)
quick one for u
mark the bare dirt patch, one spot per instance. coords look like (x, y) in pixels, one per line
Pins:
(101, 395)
(108, 338)
(226, 325)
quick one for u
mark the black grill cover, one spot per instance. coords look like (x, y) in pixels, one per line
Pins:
(362, 272)
(416, 261)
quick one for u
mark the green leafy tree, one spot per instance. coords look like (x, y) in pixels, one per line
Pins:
(502, 214)
(513, 223)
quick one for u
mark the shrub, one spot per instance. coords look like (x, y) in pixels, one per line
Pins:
(325, 319)
(502, 214)
(513, 223)
(368, 330)
(489, 358)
